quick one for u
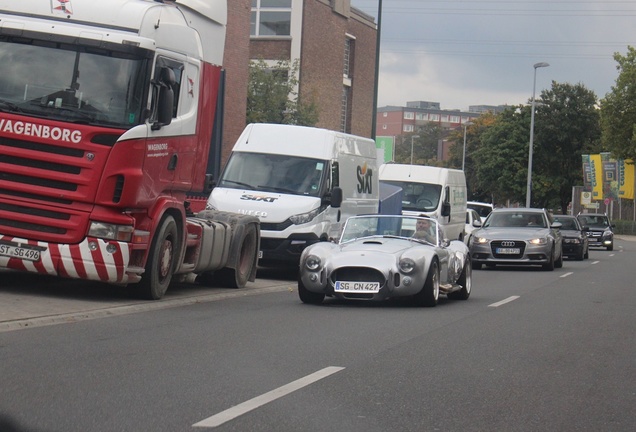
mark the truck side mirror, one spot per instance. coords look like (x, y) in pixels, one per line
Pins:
(336, 197)
(165, 104)
(446, 209)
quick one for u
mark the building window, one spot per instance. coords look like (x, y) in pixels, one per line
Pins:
(445, 118)
(270, 18)
(407, 128)
(454, 119)
(421, 116)
(384, 126)
(385, 114)
(433, 117)
(408, 115)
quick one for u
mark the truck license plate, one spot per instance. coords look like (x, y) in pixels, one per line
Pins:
(19, 252)
(357, 287)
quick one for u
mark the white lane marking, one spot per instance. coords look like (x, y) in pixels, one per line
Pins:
(567, 274)
(242, 408)
(595, 262)
(504, 301)
(611, 254)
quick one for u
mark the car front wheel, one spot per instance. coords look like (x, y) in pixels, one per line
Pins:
(429, 294)
(466, 282)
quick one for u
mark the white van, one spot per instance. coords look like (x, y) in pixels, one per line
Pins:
(439, 193)
(301, 182)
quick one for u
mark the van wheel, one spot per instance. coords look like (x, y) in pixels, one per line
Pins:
(161, 261)
(238, 277)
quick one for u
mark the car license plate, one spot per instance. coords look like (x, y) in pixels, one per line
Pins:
(357, 287)
(19, 252)
(508, 251)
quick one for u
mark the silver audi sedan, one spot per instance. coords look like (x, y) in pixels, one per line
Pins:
(518, 236)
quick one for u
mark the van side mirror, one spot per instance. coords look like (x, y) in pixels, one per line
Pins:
(446, 209)
(336, 197)
(165, 101)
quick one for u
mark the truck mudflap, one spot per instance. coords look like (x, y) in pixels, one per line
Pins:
(242, 259)
(92, 259)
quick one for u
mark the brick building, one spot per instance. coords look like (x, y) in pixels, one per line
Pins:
(335, 44)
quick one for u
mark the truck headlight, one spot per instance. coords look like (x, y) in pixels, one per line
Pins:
(111, 231)
(304, 218)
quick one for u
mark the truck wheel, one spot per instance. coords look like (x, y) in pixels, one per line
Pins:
(238, 277)
(161, 261)
(429, 294)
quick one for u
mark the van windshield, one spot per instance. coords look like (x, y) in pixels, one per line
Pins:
(274, 173)
(422, 197)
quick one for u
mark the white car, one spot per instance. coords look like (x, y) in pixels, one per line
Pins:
(471, 217)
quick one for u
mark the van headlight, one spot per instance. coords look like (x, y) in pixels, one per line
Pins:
(108, 231)
(304, 218)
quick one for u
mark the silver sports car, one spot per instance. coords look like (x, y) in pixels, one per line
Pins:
(379, 257)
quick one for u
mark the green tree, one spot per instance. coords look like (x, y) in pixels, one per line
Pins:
(473, 144)
(424, 146)
(618, 109)
(272, 98)
(567, 125)
(500, 161)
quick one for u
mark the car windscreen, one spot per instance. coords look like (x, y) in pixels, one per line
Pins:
(515, 220)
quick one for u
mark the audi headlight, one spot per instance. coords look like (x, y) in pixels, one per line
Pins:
(539, 241)
(313, 262)
(304, 218)
(480, 240)
(111, 231)
(406, 265)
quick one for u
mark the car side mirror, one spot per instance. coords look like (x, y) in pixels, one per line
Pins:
(477, 223)
(556, 225)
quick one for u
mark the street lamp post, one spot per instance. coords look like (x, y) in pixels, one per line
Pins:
(534, 85)
(412, 138)
(464, 153)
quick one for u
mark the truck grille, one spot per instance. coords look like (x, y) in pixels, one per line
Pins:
(47, 189)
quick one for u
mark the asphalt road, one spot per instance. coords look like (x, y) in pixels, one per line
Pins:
(529, 351)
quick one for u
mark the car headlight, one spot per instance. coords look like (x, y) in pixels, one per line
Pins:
(539, 241)
(406, 265)
(304, 218)
(111, 231)
(313, 262)
(480, 240)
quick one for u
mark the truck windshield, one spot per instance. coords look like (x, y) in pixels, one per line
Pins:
(274, 173)
(71, 83)
(422, 197)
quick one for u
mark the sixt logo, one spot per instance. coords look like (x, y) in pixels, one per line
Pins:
(261, 198)
(365, 175)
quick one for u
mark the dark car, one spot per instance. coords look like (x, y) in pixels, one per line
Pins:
(575, 242)
(600, 232)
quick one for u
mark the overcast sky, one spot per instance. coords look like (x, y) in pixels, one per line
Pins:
(479, 52)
